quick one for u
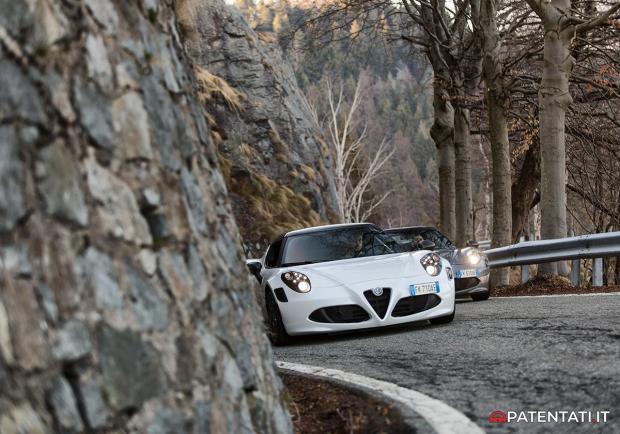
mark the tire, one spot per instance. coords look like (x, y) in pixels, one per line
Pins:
(275, 327)
(443, 319)
(481, 297)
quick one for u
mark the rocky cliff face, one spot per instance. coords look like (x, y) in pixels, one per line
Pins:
(124, 302)
(276, 166)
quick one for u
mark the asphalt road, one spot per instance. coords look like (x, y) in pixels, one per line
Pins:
(520, 354)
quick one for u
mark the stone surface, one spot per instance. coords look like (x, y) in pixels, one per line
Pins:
(15, 261)
(58, 180)
(95, 114)
(95, 410)
(178, 280)
(97, 272)
(131, 126)
(19, 95)
(64, 406)
(30, 347)
(48, 302)
(195, 201)
(198, 273)
(148, 307)
(272, 137)
(104, 13)
(119, 212)
(6, 347)
(168, 421)
(148, 260)
(60, 96)
(51, 24)
(151, 198)
(131, 368)
(21, 420)
(97, 62)
(72, 342)
(12, 202)
(126, 305)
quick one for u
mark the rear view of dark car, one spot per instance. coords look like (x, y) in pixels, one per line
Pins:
(471, 266)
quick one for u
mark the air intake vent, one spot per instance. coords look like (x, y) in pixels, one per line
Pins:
(348, 313)
(379, 302)
(411, 305)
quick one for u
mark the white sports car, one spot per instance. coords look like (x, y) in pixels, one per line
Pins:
(334, 278)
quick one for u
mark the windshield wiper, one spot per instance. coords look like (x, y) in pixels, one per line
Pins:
(290, 264)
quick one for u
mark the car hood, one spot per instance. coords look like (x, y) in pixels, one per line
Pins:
(351, 271)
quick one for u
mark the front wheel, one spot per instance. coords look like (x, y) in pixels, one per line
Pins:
(481, 297)
(275, 327)
(443, 319)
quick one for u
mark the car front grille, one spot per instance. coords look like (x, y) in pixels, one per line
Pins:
(379, 303)
(419, 303)
(465, 283)
(346, 313)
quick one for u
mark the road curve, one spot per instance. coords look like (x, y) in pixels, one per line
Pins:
(519, 354)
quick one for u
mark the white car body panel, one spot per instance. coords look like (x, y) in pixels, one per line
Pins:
(343, 282)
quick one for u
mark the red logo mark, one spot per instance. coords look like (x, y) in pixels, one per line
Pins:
(498, 416)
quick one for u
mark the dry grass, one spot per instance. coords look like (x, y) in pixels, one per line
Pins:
(310, 173)
(281, 148)
(212, 86)
(248, 152)
(273, 208)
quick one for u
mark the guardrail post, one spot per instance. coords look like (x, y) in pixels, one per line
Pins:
(525, 273)
(597, 272)
(575, 272)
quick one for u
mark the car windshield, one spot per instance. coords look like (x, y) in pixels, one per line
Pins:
(409, 238)
(337, 244)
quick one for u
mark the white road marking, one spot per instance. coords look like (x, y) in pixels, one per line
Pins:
(440, 416)
(589, 294)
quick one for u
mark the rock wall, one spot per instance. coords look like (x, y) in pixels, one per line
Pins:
(276, 166)
(124, 302)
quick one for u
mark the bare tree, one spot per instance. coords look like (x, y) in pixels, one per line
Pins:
(355, 169)
(562, 24)
(497, 106)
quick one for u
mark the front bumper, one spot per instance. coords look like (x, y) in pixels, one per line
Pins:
(297, 310)
(471, 285)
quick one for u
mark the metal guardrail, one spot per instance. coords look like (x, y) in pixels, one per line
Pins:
(593, 246)
(484, 244)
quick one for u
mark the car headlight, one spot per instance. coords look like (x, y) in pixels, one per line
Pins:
(473, 257)
(431, 264)
(297, 281)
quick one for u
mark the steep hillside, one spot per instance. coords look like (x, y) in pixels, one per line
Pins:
(124, 302)
(276, 166)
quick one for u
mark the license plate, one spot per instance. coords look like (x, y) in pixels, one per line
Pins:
(424, 288)
(460, 274)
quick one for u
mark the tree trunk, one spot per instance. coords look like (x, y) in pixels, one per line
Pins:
(442, 133)
(554, 99)
(524, 195)
(463, 189)
(497, 105)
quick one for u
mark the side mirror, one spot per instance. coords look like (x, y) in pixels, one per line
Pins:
(255, 267)
(473, 243)
(427, 245)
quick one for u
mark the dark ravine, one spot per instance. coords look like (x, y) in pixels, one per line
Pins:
(124, 301)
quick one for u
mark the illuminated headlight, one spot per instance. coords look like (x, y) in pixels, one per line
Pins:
(473, 257)
(431, 263)
(297, 281)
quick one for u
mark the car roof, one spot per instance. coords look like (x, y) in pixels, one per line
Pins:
(406, 228)
(327, 228)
